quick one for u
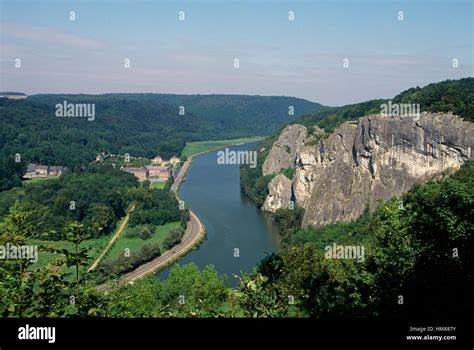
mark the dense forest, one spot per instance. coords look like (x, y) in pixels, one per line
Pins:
(11, 171)
(138, 124)
(418, 263)
(456, 96)
(153, 207)
(97, 197)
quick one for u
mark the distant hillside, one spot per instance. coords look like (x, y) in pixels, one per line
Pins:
(11, 93)
(265, 112)
(221, 116)
(138, 124)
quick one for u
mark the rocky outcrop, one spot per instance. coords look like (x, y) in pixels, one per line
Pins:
(279, 195)
(284, 151)
(373, 159)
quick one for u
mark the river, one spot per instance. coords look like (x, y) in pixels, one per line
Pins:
(232, 221)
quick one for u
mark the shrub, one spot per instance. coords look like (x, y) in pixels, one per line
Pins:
(124, 264)
(173, 238)
(141, 231)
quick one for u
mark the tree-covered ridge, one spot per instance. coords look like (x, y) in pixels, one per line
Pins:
(138, 124)
(97, 197)
(456, 96)
(265, 112)
(12, 93)
(330, 118)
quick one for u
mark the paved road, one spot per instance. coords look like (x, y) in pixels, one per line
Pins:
(181, 174)
(194, 232)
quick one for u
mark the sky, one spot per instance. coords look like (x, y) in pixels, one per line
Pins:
(303, 57)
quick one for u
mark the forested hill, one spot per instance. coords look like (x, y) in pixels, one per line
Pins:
(456, 96)
(264, 112)
(138, 124)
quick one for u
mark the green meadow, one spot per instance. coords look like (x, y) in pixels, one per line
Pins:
(135, 244)
(158, 185)
(193, 148)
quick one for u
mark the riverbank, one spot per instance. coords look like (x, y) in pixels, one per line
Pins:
(238, 235)
(201, 147)
(196, 231)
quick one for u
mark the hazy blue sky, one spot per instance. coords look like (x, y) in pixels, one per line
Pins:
(302, 58)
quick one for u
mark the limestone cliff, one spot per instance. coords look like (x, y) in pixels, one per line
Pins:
(284, 151)
(280, 195)
(360, 163)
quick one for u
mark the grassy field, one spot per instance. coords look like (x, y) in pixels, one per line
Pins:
(203, 146)
(120, 160)
(40, 179)
(158, 185)
(135, 244)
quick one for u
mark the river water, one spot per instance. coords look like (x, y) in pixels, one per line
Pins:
(232, 221)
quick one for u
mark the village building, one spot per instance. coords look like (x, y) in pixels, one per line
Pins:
(13, 95)
(101, 157)
(35, 170)
(56, 170)
(174, 161)
(140, 173)
(41, 170)
(158, 173)
(30, 171)
(157, 160)
(151, 173)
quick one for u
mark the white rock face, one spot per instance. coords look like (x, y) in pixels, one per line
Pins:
(279, 193)
(373, 159)
(284, 151)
